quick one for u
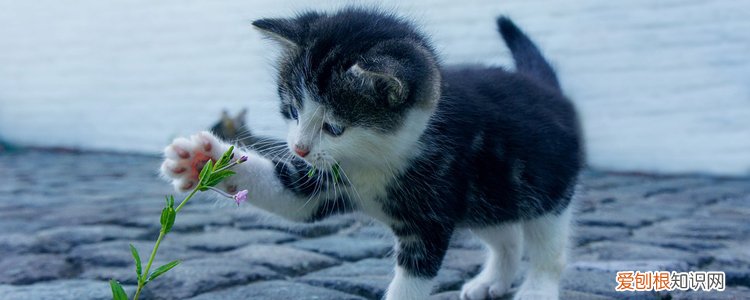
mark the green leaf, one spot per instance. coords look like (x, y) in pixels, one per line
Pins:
(335, 169)
(168, 214)
(169, 221)
(164, 216)
(163, 269)
(217, 177)
(118, 293)
(311, 173)
(206, 171)
(137, 257)
(224, 160)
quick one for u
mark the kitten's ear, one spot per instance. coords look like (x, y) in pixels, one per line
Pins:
(284, 31)
(381, 78)
(225, 115)
(241, 115)
(227, 124)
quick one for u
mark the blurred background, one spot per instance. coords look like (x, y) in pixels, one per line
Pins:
(663, 86)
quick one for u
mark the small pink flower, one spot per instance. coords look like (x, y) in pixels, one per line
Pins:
(240, 197)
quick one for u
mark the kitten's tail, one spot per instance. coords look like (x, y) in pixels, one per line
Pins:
(528, 58)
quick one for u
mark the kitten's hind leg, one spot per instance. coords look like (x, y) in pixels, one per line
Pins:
(547, 239)
(504, 243)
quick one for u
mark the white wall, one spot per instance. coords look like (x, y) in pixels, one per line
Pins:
(662, 85)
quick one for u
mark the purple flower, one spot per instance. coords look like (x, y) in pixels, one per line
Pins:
(240, 197)
(243, 159)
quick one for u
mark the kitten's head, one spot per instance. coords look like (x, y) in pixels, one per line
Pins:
(356, 86)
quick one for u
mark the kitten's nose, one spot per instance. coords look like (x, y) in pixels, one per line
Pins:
(302, 151)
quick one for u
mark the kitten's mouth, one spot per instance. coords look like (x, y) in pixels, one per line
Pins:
(320, 161)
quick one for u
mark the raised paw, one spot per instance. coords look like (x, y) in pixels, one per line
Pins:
(185, 158)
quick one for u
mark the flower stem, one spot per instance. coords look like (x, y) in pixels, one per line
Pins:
(227, 167)
(195, 190)
(142, 281)
(162, 234)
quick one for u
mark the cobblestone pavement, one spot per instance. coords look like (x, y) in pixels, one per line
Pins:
(67, 219)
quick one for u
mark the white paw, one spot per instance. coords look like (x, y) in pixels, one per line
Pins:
(185, 157)
(405, 286)
(484, 287)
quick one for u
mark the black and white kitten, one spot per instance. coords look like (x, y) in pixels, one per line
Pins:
(422, 148)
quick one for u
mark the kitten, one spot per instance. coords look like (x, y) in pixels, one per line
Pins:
(423, 148)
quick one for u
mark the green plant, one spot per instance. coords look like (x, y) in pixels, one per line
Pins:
(335, 172)
(211, 175)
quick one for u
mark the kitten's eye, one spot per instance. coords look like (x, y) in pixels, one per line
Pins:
(293, 112)
(333, 130)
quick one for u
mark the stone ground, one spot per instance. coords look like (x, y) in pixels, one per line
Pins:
(67, 219)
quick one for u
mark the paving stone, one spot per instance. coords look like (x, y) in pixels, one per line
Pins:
(17, 243)
(368, 278)
(576, 295)
(22, 226)
(123, 274)
(449, 295)
(467, 261)
(449, 279)
(285, 260)
(697, 228)
(564, 295)
(347, 247)
(74, 289)
(734, 260)
(365, 267)
(30, 268)
(61, 239)
(66, 240)
(730, 293)
(686, 244)
(625, 215)
(615, 251)
(196, 276)
(224, 239)
(583, 235)
(273, 290)
(186, 221)
(597, 282)
(117, 253)
(610, 180)
(67, 214)
(367, 228)
(262, 220)
(703, 195)
(614, 266)
(370, 287)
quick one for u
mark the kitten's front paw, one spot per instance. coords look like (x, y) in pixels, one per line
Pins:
(484, 287)
(185, 157)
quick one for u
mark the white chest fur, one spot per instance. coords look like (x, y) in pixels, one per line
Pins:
(368, 189)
